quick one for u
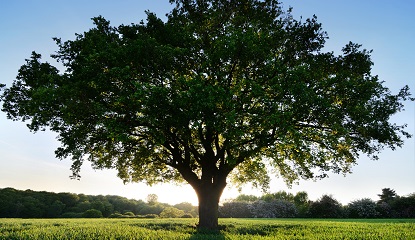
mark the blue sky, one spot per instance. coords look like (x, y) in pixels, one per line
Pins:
(27, 160)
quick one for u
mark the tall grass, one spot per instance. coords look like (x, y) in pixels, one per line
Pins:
(185, 229)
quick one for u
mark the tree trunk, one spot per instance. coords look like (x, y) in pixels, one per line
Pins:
(209, 195)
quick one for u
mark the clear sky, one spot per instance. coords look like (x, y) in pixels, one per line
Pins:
(27, 160)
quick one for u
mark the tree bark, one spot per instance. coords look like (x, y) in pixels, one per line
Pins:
(209, 196)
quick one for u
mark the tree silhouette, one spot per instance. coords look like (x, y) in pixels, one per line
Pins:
(221, 90)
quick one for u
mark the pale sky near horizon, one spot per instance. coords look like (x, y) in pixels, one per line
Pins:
(27, 160)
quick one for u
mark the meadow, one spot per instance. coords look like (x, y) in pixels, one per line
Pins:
(185, 229)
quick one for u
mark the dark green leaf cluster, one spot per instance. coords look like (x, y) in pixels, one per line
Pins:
(287, 205)
(34, 204)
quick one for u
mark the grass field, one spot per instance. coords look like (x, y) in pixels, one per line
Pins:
(185, 229)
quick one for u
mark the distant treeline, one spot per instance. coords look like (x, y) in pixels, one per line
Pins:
(34, 204)
(287, 205)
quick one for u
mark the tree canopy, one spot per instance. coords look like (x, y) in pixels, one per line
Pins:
(220, 88)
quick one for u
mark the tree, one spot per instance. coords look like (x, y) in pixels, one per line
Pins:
(387, 196)
(246, 198)
(235, 209)
(171, 212)
(326, 207)
(362, 208)
(55, 209)
(92, 213)
(302, 203)
(404, 207)
(152, 199)
(220, 90)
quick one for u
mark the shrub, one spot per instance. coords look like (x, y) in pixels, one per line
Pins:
(171, 212)
(92, 213)
(363, 208)
(326, 207)
(236, 209)
(404, 207)
(129, 214)
(273, 209)
(116, 215)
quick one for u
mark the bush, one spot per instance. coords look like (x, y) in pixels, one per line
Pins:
(171, 212)
(284, 209)
(150, 216)
(117, 215)
(92, 213)
(326, 207)
(237, 209)
(384, 209)
(273, 209)
(404, 207)
(363, 208)
(129, 214)
(187, 215)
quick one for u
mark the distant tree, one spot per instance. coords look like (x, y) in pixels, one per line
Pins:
(363, 208)
(387, 195)
(261, 209)
(281, 195)
(302, 203)
(273, 209)
(9, 199)
(152, 199)
(404, 207)
(246, 198)
(235, 209)
(55, 209)
(171, 212)
(326, 207)
(83, 206)
(92, 213)
(185, 206)
(128, 214)
(221, 89)
(32, 208)
(69, 199)
(151, 209)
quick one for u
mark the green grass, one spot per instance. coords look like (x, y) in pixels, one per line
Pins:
(185, 229)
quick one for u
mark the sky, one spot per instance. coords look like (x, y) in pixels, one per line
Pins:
(27, 160)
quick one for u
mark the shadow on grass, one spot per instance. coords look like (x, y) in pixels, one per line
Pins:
(209, 234)
(225, 229)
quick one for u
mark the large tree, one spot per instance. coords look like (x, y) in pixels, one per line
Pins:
(221, 88)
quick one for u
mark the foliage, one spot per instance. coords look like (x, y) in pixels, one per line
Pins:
(171, 212)
(188, 208)
(273, 209)
(232, 229)
(387, 196)
(246, 198)
(51, 205)
(363, 208)
(31, 204)
(404, 207)
(326, 207)
(302, 203)
(235, 209)
(152, 199)
(221, 88)
(92, 213)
